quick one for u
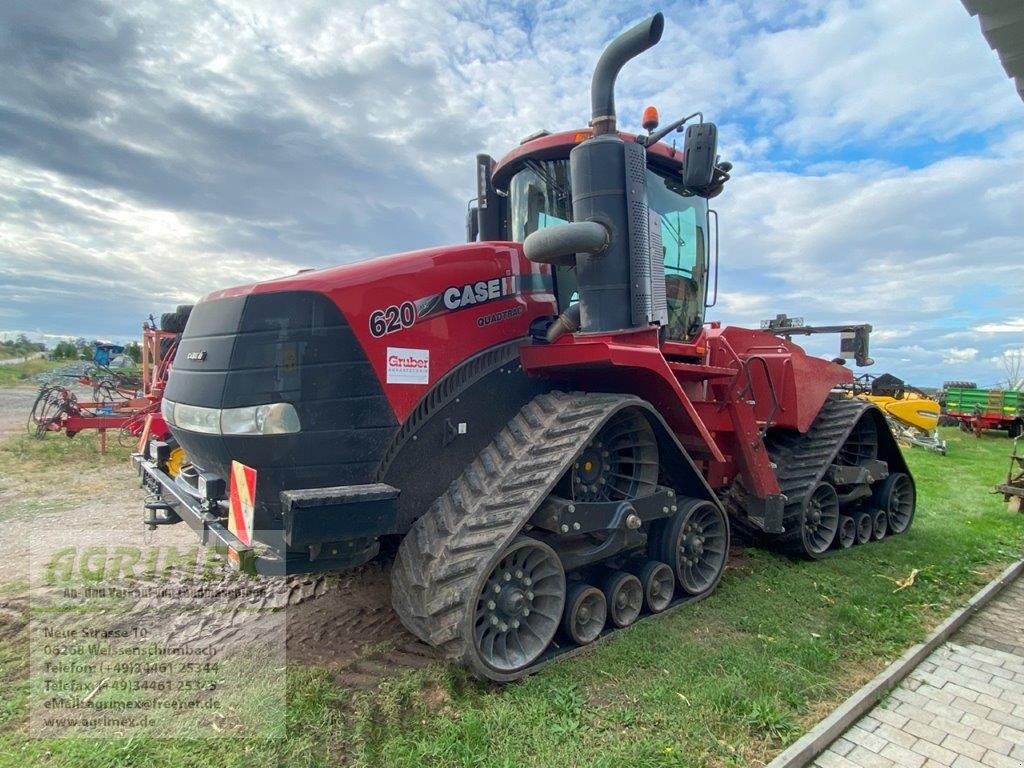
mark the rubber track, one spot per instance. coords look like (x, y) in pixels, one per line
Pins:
(802, 460)
(465, 531)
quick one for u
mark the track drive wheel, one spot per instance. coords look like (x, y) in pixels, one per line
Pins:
(865, 527)
(879, 524)
(695, 544)
(896, 496)
(586, 610)
(625, 597)
(820, 520)
(847, 532)
(659, 584)
(518, 606)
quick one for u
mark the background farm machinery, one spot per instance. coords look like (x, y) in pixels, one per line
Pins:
(980, 409)
(125, 401)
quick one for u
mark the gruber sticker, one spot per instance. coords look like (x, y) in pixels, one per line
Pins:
(408, 366)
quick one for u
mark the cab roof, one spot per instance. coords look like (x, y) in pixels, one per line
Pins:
(553, 146)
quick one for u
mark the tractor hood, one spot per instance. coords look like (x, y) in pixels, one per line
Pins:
(307, 378)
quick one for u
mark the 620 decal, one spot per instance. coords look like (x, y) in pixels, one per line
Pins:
(391, 319)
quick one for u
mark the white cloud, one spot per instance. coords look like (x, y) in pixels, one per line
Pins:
(1011, 325)
(956, 355)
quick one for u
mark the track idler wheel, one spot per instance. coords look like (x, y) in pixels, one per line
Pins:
(896, 496)
(659, 584)
(847, 534)
(879, 524)
(820, 520)
(865, 527)
(625, 596)
(519, 606)
(586, 610)
(695, 544)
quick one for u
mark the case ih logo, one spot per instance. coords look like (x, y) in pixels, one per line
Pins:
(200, 355)
(408, 366)
(479, 292)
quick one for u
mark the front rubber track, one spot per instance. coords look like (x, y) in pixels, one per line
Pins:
(450, 550)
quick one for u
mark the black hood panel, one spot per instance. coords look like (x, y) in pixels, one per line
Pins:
(294, 347)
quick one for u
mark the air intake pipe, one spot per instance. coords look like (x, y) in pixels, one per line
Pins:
(630, 43)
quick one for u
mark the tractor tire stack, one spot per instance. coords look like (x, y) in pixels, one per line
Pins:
(174, 322)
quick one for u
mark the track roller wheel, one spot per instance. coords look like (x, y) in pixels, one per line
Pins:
(865, 527)
(585, 612)
(659, 584)
(896, 496)
(695, 543)
(519, 606)
(847, 532)
(625, 597)
(820, 520)
(879, 524)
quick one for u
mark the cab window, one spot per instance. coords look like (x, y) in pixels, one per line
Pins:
(684, 242)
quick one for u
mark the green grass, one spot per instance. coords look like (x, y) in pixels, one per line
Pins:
(729, 681)
(20, 373)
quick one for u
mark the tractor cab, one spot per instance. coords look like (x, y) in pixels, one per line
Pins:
(531, 190)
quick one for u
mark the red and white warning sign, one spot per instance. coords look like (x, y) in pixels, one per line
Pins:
(408, 366)
(241, 501)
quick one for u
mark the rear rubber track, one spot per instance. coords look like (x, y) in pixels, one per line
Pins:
(803, 460)
(466, 530)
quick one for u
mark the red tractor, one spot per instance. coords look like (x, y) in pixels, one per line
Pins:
(538, 424)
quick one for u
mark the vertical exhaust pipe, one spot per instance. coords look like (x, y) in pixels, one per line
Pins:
(630, 43)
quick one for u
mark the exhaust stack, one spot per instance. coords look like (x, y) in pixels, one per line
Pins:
(630, 43)
(613, 241)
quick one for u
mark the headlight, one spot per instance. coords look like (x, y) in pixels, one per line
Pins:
(197, 419)
(270, 419)
(273, 419)
(167, 409)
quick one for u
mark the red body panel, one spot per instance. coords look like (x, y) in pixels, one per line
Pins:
(451, 335)
(736, 383)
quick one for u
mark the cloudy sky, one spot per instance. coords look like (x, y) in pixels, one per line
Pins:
(153, 151)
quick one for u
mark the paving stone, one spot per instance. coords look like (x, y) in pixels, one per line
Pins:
(865, 739)
(963, 747)
(934, 752)
(915, 714)
(925, 732)
(980, 724)
(830, 759)
(962, 761)
(902, 756)
(1007, 719)
(895, 735)
(997, 760)
(973, 707)
(889, 716)
(995, 702)
(842, 746)
(868, 759)
(953, 727)
(991, 743)
(1012, 734)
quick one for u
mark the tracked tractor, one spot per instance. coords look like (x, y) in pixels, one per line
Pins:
(539, 426)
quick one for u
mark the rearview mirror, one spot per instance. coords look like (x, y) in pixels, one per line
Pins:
(700, 149)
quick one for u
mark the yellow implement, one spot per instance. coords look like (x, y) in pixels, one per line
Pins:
(913, 409)
(913, 418)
